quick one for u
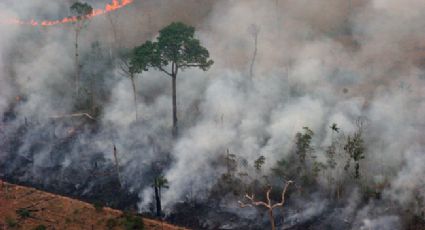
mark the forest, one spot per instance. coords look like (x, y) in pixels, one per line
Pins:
(218, 114)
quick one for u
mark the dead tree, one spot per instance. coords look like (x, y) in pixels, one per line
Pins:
(267, 204)
(254, 30)
(117, 165)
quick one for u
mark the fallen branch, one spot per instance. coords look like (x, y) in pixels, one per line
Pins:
(74, 115)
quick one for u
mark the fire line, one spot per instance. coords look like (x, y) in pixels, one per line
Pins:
(115, 5)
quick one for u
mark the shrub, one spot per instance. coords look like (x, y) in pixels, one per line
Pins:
(132, 222)
(23, 213)
(11, 223)
(40, 227)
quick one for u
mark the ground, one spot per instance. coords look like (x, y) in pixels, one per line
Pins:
(27, 208)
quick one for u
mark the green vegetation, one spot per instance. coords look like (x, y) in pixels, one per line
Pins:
(111, 223)
(176, 49)
(11, 223)
(132, 222)
(159, 183)
(23, 213)
(81, 11)
(40, 227)
(98, 206)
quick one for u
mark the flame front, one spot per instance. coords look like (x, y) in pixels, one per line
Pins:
(115, 5)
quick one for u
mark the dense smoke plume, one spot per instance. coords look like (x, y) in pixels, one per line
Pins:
(318, 63)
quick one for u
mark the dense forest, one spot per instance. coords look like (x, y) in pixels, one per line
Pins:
(217, 114)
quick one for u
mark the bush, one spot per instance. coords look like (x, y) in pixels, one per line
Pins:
(132, 222)
(98, 206)
(23, 213)
(111, 223)
(40, 227)
(11, 223)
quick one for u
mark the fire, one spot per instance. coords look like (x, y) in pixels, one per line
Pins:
(115, 5)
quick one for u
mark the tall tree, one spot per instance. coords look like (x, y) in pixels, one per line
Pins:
(176, 49)
(255, 31)
(355, 148)
(159, 183)
(81, 11)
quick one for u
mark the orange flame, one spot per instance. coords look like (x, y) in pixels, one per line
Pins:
(115, 5)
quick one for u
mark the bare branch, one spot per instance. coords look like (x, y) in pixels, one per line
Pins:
(74, 115)
(268, 205)
(165, 71)
(282, 202)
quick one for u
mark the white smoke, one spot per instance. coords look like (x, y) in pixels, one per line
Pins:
(318, 63)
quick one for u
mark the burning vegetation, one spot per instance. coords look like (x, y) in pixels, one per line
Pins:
(191, 111)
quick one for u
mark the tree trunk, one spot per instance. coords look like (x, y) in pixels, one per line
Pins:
(133, 83)
(114, 33)
(272, 219)
(175, 128)
(92, 96)
(158, 200)
(77, 63)
(254, 56)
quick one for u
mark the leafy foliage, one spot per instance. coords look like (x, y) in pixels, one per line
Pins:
(161, 182)
(40, 227)
(81, 10)
(23, 213)
(259, 163)
(355, 149)
(11, 223)
(176, 45)
(132, 222)
(303, 144)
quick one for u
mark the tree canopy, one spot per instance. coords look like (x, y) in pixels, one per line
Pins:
(80, 10)
(175, 45)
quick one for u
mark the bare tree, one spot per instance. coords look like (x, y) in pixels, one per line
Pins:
(267, 204)
(113, 22)
(117, 165)
(254, 30)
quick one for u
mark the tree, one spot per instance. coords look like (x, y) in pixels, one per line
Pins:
(176, 49)
(81, 11)
(355, 149)
(159, 182)
(259, 163)
(130, 66)
(303, 144)
(255, 31)
(267, 205)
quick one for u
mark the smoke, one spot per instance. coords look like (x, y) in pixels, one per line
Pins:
(318, 63)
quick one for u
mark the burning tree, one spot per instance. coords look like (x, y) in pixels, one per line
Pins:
(176, 48)
(81, 12)
(267, 204)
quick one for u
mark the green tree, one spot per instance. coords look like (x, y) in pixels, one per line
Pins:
(355, 149)
(80, 11)
(259, 163)
(159, 183)
(303, 144)
(129, 68)
(176, 49)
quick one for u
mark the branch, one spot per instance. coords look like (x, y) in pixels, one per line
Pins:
(252, 199)
(192, 65)
(165, 71)
(283, 195)
(73, 115)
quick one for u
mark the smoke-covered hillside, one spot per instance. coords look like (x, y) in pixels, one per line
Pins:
(329, 92)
